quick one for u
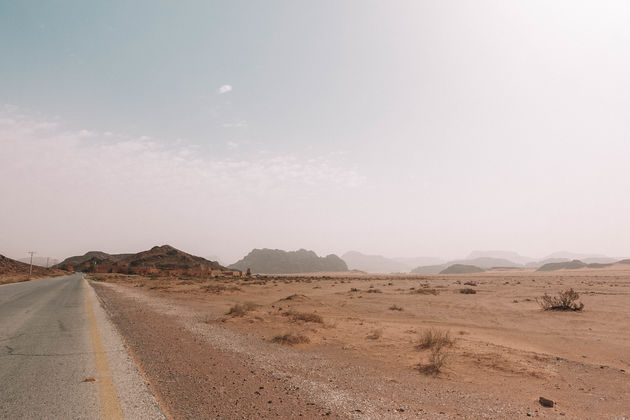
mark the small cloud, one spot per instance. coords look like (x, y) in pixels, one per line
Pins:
(225, 89)
(235, 124)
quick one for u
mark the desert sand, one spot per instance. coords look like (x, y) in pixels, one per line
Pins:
(347, 345)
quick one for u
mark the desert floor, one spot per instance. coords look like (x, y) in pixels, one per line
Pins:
(361, 359)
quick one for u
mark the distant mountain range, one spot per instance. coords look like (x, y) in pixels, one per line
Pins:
(158, 258)
(380, 264)
(276, 261)
(508, 259)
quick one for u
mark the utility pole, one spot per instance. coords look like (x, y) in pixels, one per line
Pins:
(47, 259)
(30, 270)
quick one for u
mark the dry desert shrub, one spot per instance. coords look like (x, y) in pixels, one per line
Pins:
(437, 341)
(434, 338)
(290, 339)
(567, 300)
(424, 292)
(436, 361)
(395, 308)
(467, 291)
(374, 291)
(241, 309)
(304, 316)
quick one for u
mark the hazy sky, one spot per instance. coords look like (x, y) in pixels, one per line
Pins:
(398, 128)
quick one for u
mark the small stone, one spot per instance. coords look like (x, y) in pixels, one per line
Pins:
(545, 402)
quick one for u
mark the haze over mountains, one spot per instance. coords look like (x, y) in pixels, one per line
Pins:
(276, 261)
(483, 260)
(380, 264)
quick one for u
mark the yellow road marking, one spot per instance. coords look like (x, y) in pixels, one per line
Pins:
(110, 406)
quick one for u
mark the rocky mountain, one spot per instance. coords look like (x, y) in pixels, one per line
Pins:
(89, 259)
(577, 264)
(538, 264)
(567, 265)
(276, 261)
(586, 258)
(486, 262)
(511, 256)
(160, 258)
(429, 269)
(373, 263)
(461, 269)
(483, 263)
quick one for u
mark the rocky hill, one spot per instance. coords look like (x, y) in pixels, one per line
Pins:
(483, 263)
(461, 269)
(10, 268)
(567, 265)
(276, 261)
(158, 258)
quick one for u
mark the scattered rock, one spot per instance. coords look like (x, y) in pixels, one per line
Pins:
(545, 402)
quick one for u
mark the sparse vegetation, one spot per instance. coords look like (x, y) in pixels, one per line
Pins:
(434, 338)
(374, 291)
(567, 300)
(395, 308)
(290, 339)
(304, 316)
(467, 291)
(241, 309)
(436, 341)
(436, 362)
(424, 292)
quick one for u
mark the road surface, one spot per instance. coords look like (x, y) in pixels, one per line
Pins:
(60, 357)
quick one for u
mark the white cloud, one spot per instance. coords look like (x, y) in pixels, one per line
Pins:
(235, 124)
(130, 192)
(225, 89)
(142, 166)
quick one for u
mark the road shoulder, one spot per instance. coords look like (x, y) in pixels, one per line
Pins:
(136, 400)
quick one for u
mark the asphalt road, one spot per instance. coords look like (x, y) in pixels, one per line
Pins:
(60, 358)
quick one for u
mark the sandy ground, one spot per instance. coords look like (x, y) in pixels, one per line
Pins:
(362, 359)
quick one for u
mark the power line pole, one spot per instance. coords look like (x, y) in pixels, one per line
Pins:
(30, 270)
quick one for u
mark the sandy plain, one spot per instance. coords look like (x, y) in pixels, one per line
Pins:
(361, 359)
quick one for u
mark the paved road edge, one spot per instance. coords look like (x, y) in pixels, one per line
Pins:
(123, 389)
